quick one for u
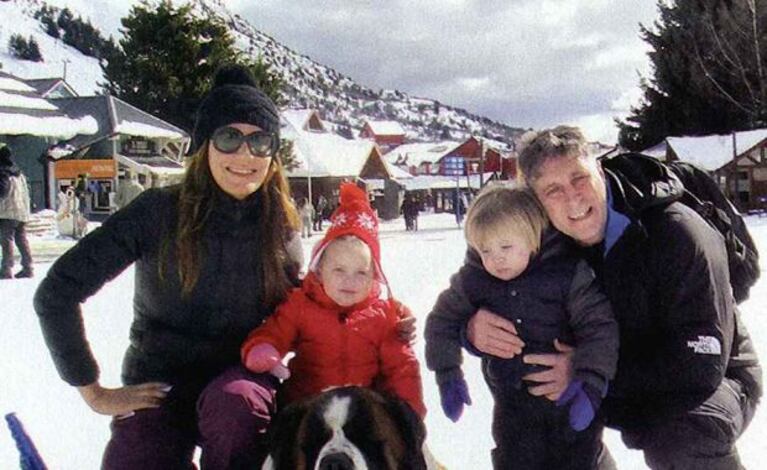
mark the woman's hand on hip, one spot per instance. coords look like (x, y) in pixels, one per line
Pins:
(125, 399)
(493, 334)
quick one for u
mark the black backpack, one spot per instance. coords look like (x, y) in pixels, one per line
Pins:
(701, 193)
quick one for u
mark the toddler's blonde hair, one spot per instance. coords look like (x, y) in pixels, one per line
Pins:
(499, 210)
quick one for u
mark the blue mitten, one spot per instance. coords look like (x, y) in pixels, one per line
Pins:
(584, 401)
(454, 393)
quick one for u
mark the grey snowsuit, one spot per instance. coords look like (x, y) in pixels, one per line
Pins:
(555, 298)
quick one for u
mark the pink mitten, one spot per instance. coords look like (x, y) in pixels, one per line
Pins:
(263, 357)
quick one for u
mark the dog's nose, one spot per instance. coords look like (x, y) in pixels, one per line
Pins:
(336, 462)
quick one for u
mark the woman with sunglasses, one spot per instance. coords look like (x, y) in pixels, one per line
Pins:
(213, 257)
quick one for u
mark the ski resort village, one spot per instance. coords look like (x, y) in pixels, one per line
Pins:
(92, 123)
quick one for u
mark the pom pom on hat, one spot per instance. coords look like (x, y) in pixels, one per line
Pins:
(233, 74)
(354, 216)
(234, 98)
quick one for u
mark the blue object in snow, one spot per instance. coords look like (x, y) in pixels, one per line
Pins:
(29, 457)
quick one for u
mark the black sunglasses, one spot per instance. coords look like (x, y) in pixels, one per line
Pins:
(228, 139)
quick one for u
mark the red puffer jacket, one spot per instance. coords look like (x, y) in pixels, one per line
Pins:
(337, 346)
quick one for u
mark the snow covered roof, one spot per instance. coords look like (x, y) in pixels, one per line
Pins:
(115, 116)
(59, 126)
(396, 172)
(502, 148)
(416, 154)
(321, 155)
(24, 101)
(156, 165)
(386, 128)
(712, 152)
(146, 130)
(300, 119)
(443, 182)
(24, 112)
(10, 83)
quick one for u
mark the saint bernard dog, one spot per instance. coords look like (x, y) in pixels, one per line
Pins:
(348, 428)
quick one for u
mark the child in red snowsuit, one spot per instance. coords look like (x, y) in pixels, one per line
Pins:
(341, 330)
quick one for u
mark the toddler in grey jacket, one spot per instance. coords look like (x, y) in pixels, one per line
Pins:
(519, 269)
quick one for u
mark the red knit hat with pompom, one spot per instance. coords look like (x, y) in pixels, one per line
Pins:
(354, 216)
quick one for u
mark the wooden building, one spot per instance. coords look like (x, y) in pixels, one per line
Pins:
(738, 161)
(325, 159)
(31, 122)
(127, 138)
(387, 134)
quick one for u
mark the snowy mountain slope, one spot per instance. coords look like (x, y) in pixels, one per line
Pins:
(340, 100)
(82, 72)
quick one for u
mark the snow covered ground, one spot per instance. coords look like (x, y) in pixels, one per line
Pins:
(70, 436)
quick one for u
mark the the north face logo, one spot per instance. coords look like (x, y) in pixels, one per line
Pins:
(706, 345)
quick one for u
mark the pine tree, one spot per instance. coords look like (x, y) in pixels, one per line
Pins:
(167, 58)
(17, 45)
(33, 50)
(24, 49)
(708, 59)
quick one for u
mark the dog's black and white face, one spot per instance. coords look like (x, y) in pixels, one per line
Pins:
(348, 428)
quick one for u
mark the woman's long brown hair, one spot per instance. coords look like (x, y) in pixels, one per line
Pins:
(278, 219)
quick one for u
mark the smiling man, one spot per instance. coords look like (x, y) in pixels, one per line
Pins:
(688, 379)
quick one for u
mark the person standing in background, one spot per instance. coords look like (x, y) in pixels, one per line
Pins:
(319, 213)
(14, 215)
(306, 211)
(128, 189)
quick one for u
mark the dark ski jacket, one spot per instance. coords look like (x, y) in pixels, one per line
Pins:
(667, 279)
(556, 297)
(172, 338)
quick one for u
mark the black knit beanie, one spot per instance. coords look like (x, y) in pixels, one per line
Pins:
(234, 98)
(5, 156)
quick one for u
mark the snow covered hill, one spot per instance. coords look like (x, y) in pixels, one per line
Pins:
(340, 100)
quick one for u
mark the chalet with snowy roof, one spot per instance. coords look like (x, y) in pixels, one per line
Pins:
(324, 160)
(433, 168)
(737, 160)
(387, 134)
(420, 158)
(479, 158)
(306, 120)
(31, 123)
(428, 158)
(126, 139)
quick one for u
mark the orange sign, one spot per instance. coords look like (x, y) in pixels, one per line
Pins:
(94, 168)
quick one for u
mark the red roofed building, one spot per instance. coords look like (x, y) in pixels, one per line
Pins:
(472, 150)
(387, 134)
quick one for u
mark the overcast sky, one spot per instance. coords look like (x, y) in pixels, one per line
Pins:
(528, 63)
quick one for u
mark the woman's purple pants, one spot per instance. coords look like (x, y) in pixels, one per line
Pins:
(228, 420)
